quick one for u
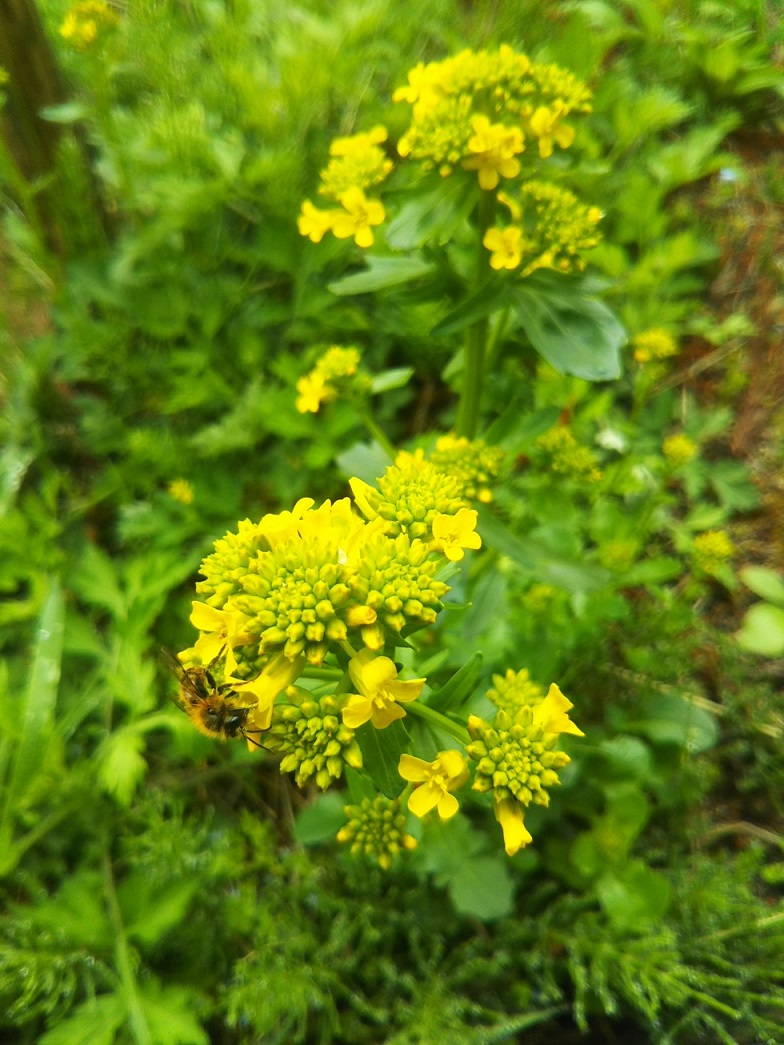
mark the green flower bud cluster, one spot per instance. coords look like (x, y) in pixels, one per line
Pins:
(473, 463)
(310, 735)
(558, 227)
(514, 689)
(376, 828)
(396, 579)
(224, 569)
(569, 457)
(515, 757)
(295, 598)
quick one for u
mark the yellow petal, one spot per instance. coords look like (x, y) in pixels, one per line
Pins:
(424, 799)
(509, 815)
(552, 715)
(385, 716)
(358, 711)
(448, 805)
(206, 618)
(453, 764)
(413, 769)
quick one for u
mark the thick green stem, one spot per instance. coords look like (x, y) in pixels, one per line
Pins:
(377, 434)
(435, 718)
(469, 411)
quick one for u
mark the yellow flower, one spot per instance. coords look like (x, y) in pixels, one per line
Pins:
(446, 773)
(544, 124)
(315, 223)
(678, 449)
(357, 217)
(221, 630)
(81, 23)
(312, 391)
(495, 147)
(509, 815)
(551, 716)
(453, 533)
(654, 344)
(506, 247)
(181, 490)
(277, 674)
(380, 691)
(358, 143)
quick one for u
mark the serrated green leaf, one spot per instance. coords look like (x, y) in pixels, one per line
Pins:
(94, 1022)
(381, 750)
(321, 820)
(122, 764)
(576, 334)
(150, 911)
(456, 692)
(168, 1012)
(381, 273)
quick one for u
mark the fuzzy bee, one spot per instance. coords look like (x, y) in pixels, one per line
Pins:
(216, 711)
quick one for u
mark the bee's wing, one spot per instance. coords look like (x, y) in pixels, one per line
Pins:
(189, 684)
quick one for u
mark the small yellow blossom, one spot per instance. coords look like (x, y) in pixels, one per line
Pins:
(358, 143)
(315, 223)
(181, 490)
(544, 124)
(494, 148)
(505, 245)
(357, 217)
(454, 533)
(654, 344)
(312, 391)
(83, 20)
(380, 691)
(712, 550)
(437, 779)
(277, 674)
(679, 449)
(221, 630)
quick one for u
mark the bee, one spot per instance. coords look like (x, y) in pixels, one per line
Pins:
(216, 711)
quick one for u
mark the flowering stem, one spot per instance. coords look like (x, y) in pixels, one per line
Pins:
(474, 359)
(435, 718)
(377, 434)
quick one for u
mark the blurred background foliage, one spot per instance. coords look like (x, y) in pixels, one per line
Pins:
(158, 306)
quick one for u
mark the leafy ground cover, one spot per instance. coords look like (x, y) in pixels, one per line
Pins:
(165, 331)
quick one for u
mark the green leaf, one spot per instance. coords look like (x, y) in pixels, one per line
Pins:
(381, 750)
(456, 692)
(431, 213)
(36, 716)
(576, 334)
(66, 112)
(365, 461)
(538, 560)
(383, 272)
(675, 720)
(321, 820)
(94, 1022)
(634, 896)
(627, 757)
(763, 630)
(389, 379)
(482, 887)
(151, 911)
(765, 583)
(168, 1012)
(122, 764)
(650, 571)
(489, 298)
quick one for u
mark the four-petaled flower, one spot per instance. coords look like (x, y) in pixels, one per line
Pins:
(221, 630)
(436, 780)
(357, 216)
(315, 223)
(453, 533)
(312, 390)
(380, 691)
(545, 125)
(495, 147)
(506, 247)
(277, 674)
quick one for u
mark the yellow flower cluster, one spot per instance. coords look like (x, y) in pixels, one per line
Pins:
(678, 449)
(551, 228)
(358, 163)
(517, 760)
(474, 464)
(335, 372)
(181, 490)
(416, 500)
(712, 550)
(569, 457)
(476, 110)
(83, 20)
(654, 344)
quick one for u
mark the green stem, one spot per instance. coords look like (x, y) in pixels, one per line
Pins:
(377, 433)
(325, 674)
(435, 718)
(468, 411)
(140, 1031)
